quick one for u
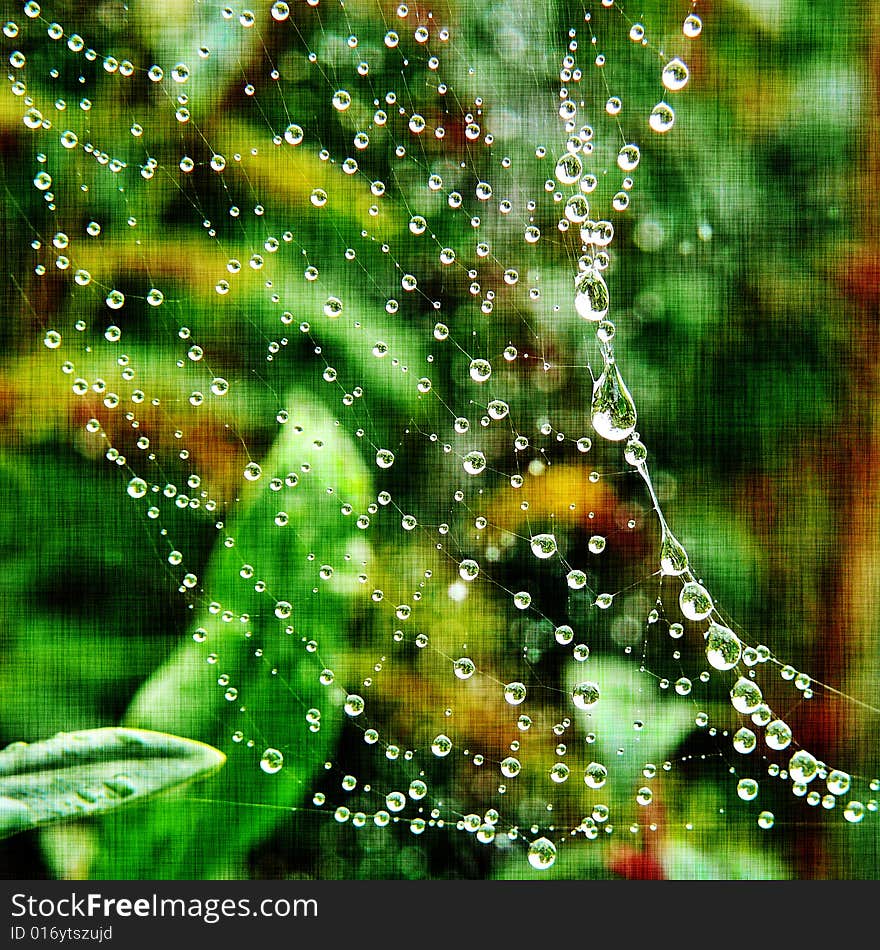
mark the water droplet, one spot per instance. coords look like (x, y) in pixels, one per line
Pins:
(662, 117)
(628, 158)
(635, 452)
(342, 100)
(747, 789)
(723, 647)
(694, 601)
(543, 546)
(585, 695)
(137, 488)
(121, 785)
(441, 746)
(115, 299)
(595, 775)
(803, 767)
(498, 409)
(675, 75)
(692, 25)
(354, 705)
(569, 169)
(563, 634)
(252, 471)
(271, 761)
(515, 693)
(464, 667)
(468, 569)
(542, 854)
(746, 695)
(612, 409)
(838, 782)
(293, 134)
(576, 579)
(474, 462)
(591, 295)
(744, 741)
(777, 735)
(480, 370)
(673, 557)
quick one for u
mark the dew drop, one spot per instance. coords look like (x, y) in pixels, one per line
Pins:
(543, 546)
(480, 370)
(673, 557)
(747, 789)
(474, 462)
(585, 695)
(692, 25)
(723, 647)
(662, 117)
(137, 488)
(777, 735)
(675, 75)
(591, 295)
(694, 601)
(515, 693)
(271, 761)
(542, 854)
(595, 775)
(441, 746)
(613, 411)
(468, 569)
(293, 134)
(746, 696)
(569, 168)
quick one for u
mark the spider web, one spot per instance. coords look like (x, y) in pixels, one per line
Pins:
(351, 301)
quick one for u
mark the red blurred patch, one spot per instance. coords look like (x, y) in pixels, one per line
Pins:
(632, 865)
(860, 276)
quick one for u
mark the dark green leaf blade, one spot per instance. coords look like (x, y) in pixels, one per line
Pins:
(214, 836)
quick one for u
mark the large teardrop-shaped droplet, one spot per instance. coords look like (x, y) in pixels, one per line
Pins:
(613, 410)
(694, 601)
(746, 696)
(591, 295)
(723, 647)
(673, 557)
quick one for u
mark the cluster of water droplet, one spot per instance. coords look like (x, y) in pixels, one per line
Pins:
(414, 251)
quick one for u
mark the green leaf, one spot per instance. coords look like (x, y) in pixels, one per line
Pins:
(77, 774)
(268, 660)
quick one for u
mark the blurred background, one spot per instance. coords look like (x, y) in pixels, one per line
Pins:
(744, 280)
